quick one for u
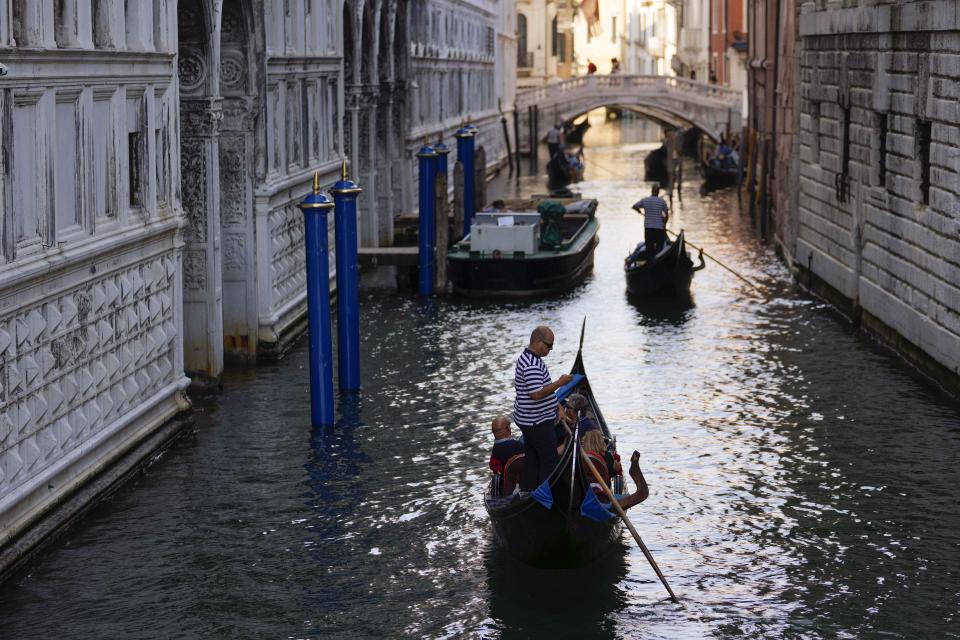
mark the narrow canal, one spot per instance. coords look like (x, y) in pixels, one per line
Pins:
(803, 481)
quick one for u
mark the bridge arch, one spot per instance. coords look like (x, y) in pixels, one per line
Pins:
(675, 101)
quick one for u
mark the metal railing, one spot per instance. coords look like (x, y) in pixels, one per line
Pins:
(524, 59)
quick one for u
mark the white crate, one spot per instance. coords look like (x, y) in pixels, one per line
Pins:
(505, 239)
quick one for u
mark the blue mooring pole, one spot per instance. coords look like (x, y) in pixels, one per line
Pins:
(428, 187)
(315, 208)
(345, 193)
(465, 147)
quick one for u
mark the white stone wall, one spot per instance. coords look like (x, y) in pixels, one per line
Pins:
(459, 75)
(868, 229)
(90, 294)
(303, 133)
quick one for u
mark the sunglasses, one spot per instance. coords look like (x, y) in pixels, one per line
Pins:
(549, 344)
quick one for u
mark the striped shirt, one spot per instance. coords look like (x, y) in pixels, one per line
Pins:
(653, 209)
(532, 375)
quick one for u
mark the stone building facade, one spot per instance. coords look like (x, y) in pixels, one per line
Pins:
(877, 222)
(153, 154)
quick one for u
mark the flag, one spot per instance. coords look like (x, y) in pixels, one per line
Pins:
(594, 509)
(543, 495)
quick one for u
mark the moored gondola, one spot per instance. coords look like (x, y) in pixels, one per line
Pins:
(558, 535)
(669, 273)
(718, 175)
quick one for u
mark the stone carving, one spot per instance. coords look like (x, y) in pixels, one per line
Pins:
(192, 69)
(193, 184)
(288, 264)
(232, 72)
(195, 269)
(72, 364)
(233, 179)
(234, 251)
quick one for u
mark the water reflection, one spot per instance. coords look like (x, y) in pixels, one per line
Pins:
(671, 310)
(526, 602)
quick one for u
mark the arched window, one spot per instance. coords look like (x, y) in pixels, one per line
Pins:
(522, 58)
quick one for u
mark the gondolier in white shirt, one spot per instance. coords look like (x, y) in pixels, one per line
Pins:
(655, 216)
(535, 409)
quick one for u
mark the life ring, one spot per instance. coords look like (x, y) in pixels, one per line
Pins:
(497, 254)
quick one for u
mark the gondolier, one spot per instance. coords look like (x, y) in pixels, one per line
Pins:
(535, 409)
(655, 216)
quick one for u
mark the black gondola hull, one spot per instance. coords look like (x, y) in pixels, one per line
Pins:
(670, 274)
(559, 536)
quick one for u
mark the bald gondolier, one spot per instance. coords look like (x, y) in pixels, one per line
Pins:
(535, 409)
(655, 216)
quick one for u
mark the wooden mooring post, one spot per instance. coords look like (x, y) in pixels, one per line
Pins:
(457, 201)
(480, 178)
(442, 229)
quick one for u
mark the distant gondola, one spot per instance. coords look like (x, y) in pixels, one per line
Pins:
(559, 535)
(561, 172)
(670, 272)
(655, 165)
(720, 176)
(576, 131)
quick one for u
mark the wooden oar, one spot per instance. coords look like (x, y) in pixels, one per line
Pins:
(585, 459)
(718, 262)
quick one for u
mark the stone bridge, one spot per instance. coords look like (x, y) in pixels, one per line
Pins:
(672, 101)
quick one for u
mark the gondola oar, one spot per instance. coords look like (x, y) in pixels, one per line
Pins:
(585, 460)
(718, 262)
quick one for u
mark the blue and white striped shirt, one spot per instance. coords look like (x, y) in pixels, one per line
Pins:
(532, 375)
(653, 208)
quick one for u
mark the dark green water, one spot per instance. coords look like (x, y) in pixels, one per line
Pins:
(803, 481)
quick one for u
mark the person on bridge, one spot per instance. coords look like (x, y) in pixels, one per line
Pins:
(591, 68)
(555, 139)
(655, 216)
(535, 409)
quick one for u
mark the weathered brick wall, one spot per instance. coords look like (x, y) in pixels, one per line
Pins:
(867, 225)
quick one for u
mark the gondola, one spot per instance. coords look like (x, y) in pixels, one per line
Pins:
(576, 131)
(670, 273)
(561, 173)
(720, 176)
(655, 165)
(560, 535)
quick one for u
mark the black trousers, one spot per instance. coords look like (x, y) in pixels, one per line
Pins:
(539, 454)
(654, 239)
(554, 149)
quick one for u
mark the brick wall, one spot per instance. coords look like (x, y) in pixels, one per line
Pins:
(879, 178)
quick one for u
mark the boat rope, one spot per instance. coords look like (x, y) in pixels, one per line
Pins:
(731, 270)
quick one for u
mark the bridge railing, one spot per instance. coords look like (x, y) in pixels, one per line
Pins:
(566, 90)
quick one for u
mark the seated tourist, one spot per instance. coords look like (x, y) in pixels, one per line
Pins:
(505, 446)
(571, 408)
(592, 441)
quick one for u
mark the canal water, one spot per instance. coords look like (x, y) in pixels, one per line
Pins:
(803, 481)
